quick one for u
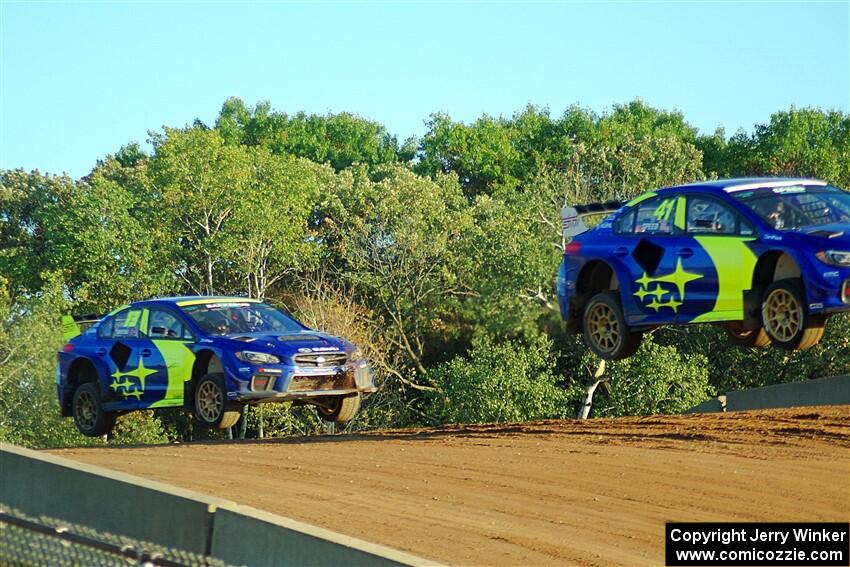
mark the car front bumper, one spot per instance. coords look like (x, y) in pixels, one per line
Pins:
(270, 384)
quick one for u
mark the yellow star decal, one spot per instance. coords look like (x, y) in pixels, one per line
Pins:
(680, 278)
(140, 373)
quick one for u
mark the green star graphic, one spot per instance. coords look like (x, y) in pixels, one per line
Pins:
(680, 278)
(140, 373)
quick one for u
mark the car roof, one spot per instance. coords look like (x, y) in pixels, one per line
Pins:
(747, 183)
(185, 300)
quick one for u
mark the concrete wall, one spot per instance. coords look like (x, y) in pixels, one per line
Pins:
(247, 536)
(820, 392)
(41, 484)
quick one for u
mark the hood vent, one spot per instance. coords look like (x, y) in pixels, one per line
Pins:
(827, 233)
(293, 338)
(245, 339)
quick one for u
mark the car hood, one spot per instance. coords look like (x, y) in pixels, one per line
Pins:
(828, 236)
(287, 343)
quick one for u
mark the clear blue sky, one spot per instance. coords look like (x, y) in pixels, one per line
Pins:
(79, 80)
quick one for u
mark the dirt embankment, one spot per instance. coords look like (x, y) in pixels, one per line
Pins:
(544, 493)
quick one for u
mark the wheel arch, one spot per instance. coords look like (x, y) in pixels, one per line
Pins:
(206, 361)
(775, 265)
(594, 276)
(80, 371)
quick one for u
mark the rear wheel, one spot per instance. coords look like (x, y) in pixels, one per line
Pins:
(753, 338)
(210, 403)
(605, 330)
(786, 319)
(339, 409)
(88, 413)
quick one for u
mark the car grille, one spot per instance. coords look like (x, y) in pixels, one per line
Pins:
(320, 360)
(341, 381)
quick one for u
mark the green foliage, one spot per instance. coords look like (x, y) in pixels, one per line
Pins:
(437, 256)
(798, 142)
(228, 217)
(508, 381)
(656, 380)
(29, 339)
(337, 139)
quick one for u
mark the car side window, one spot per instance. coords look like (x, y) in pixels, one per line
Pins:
(655, 216)
(104, 330)
(709, 216)
(163, 324)
(127, 324)
(626, 223)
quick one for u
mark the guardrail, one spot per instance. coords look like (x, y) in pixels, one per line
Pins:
(40, 484)
(834, 391)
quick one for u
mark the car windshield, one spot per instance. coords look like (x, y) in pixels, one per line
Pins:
(240, 317)
(798, 206)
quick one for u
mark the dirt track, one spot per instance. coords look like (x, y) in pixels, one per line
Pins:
(587, 493)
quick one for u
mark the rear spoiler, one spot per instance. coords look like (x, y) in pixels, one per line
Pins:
(74, 326)
(572, 218)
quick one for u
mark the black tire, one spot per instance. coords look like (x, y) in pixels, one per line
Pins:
(210, 405)
(751, 338)
(87, 409)
(605, 329)
(339, 409)
(786, 319)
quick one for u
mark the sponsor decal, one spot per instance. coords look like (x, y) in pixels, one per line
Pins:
(815, 305)
(667, 290)
(772, 237)
(831, 274)
(304, 349)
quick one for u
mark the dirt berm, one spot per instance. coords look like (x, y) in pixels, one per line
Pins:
(552, 492)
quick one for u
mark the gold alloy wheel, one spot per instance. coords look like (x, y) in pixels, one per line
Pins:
(209, 401)
(782, 314)
(85, 408)
(603, 327)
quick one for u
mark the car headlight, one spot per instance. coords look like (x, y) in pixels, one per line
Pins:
(834, 257)
(257, 357)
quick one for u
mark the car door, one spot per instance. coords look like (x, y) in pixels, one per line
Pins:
(718, 260)
(124, 349)
(646, 246)
(172, 339)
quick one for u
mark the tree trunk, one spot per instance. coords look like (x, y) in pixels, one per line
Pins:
(590, 387)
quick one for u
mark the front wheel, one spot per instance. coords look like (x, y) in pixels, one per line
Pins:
(88, 413)
(605, 330)
(785, 318)
(211, 406)
(339, 409)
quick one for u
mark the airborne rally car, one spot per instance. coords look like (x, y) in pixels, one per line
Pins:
(209, 354)
(769, 259)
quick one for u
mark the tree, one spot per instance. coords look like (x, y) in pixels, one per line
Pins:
(230, 218)
(393, 236)
(656, 380)
(337, 139)
(509, 381)
(798, 142)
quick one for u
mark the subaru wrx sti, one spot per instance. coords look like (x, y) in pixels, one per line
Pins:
(769, 259)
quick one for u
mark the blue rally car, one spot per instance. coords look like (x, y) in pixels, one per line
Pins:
(212, 355)
(769, 259)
